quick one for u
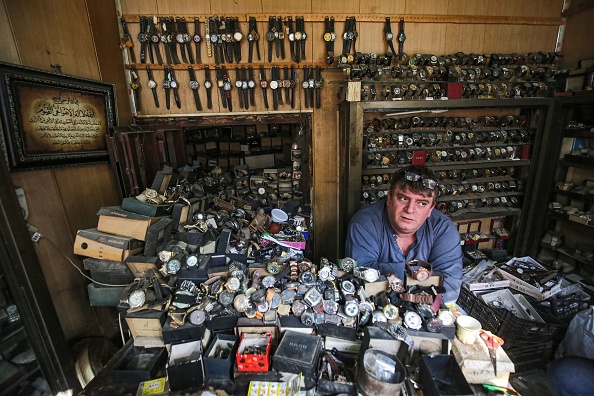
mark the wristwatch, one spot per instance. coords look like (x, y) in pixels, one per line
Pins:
(389, 36)
(367, 274)
(237, 37)
(395, 283)
(251, 85)
(238, 85)
(418, 269)
(143, 38)
(274, 86)
(227, 87)
(401, 39)
(280, 38)
(194, 85)
(347, 287)
(290, 32)
(286, 83)
(253, 39)
(347, 264)
(329, 38)
(172, 39)
(155, 39)
(135, 87)
(127, 40)
(271, 36)
(152, 85)
(305, 85)
(164, 23)
(413, 320)
(173, 84)
(208, 86)
(244, 87)
(264, 85)
(300, 37)
(196, 39)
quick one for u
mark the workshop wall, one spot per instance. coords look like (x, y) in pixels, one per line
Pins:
(83, 38)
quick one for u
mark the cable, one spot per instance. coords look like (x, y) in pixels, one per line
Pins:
(37, 236)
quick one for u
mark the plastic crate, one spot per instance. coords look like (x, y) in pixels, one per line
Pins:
(466, 300)
(566, 308)
(530, 356)
(514, 330)
(247, 362)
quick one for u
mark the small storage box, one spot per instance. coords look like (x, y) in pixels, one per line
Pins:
(220, 366)
(139, 364)
(526, 288)
(298, 353)
(185, 369)
(250, 362)
(441, 375)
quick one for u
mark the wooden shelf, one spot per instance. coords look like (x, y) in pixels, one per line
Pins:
(565, 218)
(567, 251)
(585, 197)
(575, 164)
(454, 165)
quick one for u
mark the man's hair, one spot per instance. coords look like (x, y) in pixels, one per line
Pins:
(416, 187)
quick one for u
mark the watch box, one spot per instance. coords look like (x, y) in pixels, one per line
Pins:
(146, 327)
(143, 208)
(108, 271)
(139, 364)
(94, 243)
(185, 369)
(183, 333)
(157, 236)
(117, 221)
(298, 353)
(378, 338)
(144, 267)
(104, 296)
(437, 370)
(247, 360)
(220, 356)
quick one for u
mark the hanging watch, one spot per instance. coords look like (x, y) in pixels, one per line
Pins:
(152, 84)
(413, 320)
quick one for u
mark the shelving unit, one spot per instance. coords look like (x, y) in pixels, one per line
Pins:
(574, 131)
(505, 149)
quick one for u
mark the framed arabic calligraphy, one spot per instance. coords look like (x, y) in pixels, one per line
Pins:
(51, 120)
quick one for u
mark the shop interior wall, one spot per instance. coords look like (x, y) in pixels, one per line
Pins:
(578, 41)
(82, 37)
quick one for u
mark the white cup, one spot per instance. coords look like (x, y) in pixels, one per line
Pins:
(467, 329)
(279, 216)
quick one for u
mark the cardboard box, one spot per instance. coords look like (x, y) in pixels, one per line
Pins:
(505, 299)
(221, 366)
(437, 370)
(186, 367)
(476, 365)
(144, 267)
(298, 353)
(487, 285)
(146, 327)
(117, 221)
(108, 271)
(94, 243)
(183, 333)
(526, 288)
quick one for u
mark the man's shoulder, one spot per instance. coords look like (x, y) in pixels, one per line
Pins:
(374, 210)
(439, 220)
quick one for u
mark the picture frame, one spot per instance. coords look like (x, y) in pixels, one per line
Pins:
(52, 119)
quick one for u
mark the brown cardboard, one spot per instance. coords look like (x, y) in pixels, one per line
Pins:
(97, 244)
(117, 221)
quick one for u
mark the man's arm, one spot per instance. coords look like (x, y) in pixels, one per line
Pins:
(363, 244)
(446, 256)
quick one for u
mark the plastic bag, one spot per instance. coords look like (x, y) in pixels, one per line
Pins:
(579, 339)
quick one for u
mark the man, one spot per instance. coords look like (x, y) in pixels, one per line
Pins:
(404, 227)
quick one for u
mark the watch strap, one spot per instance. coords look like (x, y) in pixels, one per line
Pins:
(264, 85)
(154, 87)
(197, 40)
(195, 89)
(244, 87)
(208, 87)
(135, 87)
(281, 36)
(127, 40)
(417, 298)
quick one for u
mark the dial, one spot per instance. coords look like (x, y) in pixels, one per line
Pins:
(207, 84)
(194, 84)
(413, 320)
(192, 261)
(173, 84)
(240, 303)
(298, 308)
(351, 309)
(434, 325)
(446, 317)
(173, 266)
(152, 84)
(136, 298)
(226, 298)
(390, 311)
(197, 317)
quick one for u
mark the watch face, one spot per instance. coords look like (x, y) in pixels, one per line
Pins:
(298, 308)
(238, 83)
(136, 298)
(390, 311)
(434, 325)
(173, 84)
(226, 298)
(244, 85)
(327, 36)
(389, 36)
(214, 38)
(251, 84)
(152, 84)
(273, 268)
(196, 38)
(274, 84)
(233, 284)
(134, 85)
(197, 317)
(173, 266)
(378, 317)
(192, 261)
(413, 320)
(237, 36)
(194, 84)
(180, 38)
(263, 84)
(447, 318)
(351, 309)
(268, 281)
(166, 84)
(305, 84)
(240, 303)
(207, 84)
(307, 278)
(307, 318)
(227, 86)
(422, 274)
(347, 287)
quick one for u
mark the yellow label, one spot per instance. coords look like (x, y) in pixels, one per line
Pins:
(153, 387)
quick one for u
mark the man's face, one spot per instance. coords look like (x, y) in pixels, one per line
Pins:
(408, 211)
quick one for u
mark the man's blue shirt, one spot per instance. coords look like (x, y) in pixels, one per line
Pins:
(372, 241)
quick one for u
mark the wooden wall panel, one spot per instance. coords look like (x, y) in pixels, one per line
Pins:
(336, 7)
(382, 7)
(56, 32)
(430, 7)
(9, 51)
(275, 6)
(578, 42)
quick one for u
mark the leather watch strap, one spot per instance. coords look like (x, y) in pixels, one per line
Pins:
(127, 40)
(194, 86)
(401, 39)
(301, 28)
(165, 39)
(389, 35)
(196, 38)
(152, 84)
(251, 86)
(143, 38)
(286, 84)
(264, 85)
(208, 86)
(253, 39)
(227, 86)
(290, 28)
(292, 88)
(174, 87)
(172, 39)
(244, 88)
(274, 87)
(167, 87)
(279, 85)
(149, 39)
(270, 37)
(156, 39)
(329, 38)
(135, 87)
(281, 36)
(305, 86)
(179, 38)
(319, 82)
(238, 38)
(238, 85)
(220, 85)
